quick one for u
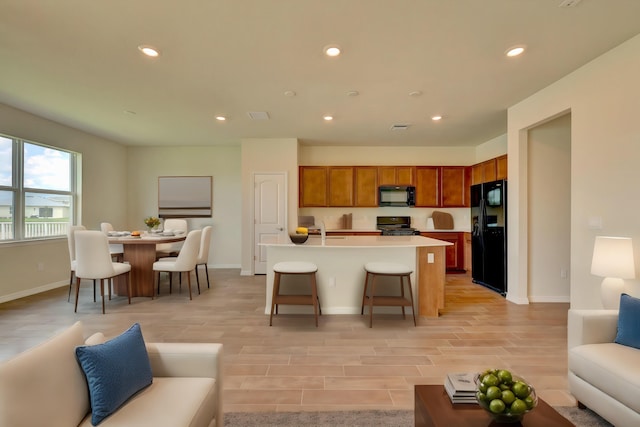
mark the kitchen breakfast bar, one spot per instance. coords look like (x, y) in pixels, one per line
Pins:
(340, 276)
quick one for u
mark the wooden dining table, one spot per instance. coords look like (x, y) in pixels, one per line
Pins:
(140, 253)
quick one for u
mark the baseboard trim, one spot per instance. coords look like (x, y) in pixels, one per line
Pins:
(33, 291)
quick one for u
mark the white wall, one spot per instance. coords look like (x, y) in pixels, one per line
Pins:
(146, 164)
(549, 193)
(375, 156)
(104, 179)
(261, 156)
(604, 99)
(493, 148)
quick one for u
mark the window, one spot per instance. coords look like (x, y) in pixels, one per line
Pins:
(37, 190)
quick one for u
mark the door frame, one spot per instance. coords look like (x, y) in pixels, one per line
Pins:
(252, 213)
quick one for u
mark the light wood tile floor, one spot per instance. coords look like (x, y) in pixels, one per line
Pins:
(343, 364)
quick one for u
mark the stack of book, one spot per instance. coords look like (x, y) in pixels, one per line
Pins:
(460, 387)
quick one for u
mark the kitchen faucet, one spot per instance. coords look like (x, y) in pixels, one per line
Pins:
(323, 233)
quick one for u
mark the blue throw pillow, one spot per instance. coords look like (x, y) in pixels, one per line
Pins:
(115, 371)
(629, 321)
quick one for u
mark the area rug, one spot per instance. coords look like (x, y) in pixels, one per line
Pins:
(579, 417)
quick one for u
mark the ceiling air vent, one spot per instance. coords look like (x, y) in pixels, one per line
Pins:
(569, 3)
(258, 115)
(399, 127)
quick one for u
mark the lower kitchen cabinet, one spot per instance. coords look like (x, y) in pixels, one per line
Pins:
(454, 255)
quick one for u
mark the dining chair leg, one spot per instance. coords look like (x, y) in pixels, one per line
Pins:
(189, 282)
(206, 270)
(170, 281)
(94, 290)
(109, 284)
(102, 292)
(197, 278)
(70, 286)
(129, 287)
(75, 310)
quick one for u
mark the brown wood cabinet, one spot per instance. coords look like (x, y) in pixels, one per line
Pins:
(442, 186)
(454, 255)
(396, 175)
(501, 167)
(341, 189)
(313, 186)
(489, 170)
(455, 186)
(427, 186)
(366, 186)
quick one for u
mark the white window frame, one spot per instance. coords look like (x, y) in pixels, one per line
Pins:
(19, 191)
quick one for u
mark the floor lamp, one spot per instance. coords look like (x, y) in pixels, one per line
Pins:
(613, 260)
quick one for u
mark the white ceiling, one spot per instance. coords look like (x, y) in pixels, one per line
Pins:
(76, 62)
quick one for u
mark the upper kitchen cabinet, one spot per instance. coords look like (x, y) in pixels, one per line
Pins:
(501, 167)
(313, 185)
(489, 170)
(396, 175)
(442, 186)
(455, 186)
(427, 186)
(341, 189)
(366, 186)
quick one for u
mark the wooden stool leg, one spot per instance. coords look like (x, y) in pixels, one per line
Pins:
(276, 290)
(373, 287)
(402, 295)
(364, 293)
(314, 296)
(413, 307)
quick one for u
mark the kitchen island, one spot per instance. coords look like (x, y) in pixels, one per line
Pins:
(340, 276)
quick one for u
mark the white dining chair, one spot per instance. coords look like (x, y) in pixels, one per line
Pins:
(115, 249)
(184, 262)
(203, 254)
(93, 261)
(171, 249)
(72, 258)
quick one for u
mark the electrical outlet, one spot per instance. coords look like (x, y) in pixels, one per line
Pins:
(431, 258)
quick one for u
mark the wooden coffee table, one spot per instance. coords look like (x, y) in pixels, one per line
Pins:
(433, 408)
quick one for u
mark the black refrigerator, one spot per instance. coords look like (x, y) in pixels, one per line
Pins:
(489, 235)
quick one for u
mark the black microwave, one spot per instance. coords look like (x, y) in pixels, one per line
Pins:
(396, 195)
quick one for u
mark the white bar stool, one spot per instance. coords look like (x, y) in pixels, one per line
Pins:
(297, 268)
(374, 269)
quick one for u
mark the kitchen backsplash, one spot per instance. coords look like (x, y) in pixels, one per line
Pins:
(365, 218)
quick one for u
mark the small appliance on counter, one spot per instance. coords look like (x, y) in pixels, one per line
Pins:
(395, 226)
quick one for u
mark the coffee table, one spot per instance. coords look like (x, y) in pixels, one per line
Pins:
(433, 408)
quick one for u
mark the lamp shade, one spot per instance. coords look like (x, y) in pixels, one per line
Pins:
(613, 257)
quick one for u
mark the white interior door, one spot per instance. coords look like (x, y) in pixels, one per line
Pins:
(270, 215)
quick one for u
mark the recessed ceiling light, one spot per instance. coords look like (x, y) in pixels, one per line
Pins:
(436, 118)
(514, 51)
(129, 112)
(327, 118)
(149, 50)
(289, 93)
(221, 118)
(332, 50)
(353, 93)
(415, 93)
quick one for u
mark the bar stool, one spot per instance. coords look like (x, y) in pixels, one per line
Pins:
(374, 269)
(296, 268)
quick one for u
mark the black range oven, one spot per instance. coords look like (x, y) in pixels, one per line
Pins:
(395, 226)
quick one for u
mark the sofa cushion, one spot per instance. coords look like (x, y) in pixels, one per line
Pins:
(115, 371)
(44, 385)
(168, 402)
(610, 367)
(629, 321)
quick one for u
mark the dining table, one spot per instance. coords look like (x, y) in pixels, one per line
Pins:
(140, 253)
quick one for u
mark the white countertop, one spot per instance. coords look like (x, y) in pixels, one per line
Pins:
(362, 242)
(354, 230)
